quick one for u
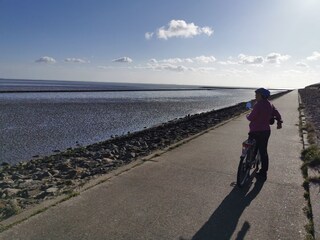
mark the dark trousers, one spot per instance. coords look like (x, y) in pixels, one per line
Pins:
(262, 139)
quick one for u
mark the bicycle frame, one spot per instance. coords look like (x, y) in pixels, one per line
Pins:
(246, 145)
(249, 159)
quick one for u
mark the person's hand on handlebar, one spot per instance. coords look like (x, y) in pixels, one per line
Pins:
(279, 124)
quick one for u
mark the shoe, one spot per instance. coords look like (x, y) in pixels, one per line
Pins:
(262, 175)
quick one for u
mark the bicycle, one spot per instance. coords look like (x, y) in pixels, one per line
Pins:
(249, 160)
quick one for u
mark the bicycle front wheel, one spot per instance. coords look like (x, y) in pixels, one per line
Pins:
(243, 170)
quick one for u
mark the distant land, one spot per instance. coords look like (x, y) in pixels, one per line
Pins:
(29, 85)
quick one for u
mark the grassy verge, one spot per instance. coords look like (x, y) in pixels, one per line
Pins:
(12, 210)
(311, 159)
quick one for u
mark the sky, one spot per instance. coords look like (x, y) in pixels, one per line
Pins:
(248, 43)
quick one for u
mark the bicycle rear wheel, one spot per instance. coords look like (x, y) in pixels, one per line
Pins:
(243, 169)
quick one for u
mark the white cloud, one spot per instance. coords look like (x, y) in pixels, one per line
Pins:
(76, 60)
(203, 69)
(188, 60)
(227, 62)
(171, 67)
(199, 59)
(123, 60)
(148, 35)
(177, 60)
(46, 59)
(156, 65)
(302, 64)
(255, 60)
(315, 56)
(173, 60)
(104, 67)
(179, 28)
(276, 58)
(160, 65)
(207, 30)
(237, 71)
(205, 59)
(153, 60)
(293, 71)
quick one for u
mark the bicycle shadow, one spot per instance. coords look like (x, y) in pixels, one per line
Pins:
(224, 220)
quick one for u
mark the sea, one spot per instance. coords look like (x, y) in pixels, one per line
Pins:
(38, 117)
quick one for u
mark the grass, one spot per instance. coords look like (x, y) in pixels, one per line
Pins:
(13, 210)
(309, 227)
(311, 159)
(10, 209)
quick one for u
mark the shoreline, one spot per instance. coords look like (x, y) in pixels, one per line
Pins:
(27, 184)
(127, 90)
(37, 85)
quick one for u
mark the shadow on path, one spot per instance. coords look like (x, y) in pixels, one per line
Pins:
(224, 220)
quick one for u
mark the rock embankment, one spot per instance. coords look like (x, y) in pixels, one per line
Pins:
(28, 183)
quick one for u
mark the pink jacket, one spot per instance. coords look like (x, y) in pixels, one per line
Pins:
(261, 114)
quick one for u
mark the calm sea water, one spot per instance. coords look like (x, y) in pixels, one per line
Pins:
(38, 123)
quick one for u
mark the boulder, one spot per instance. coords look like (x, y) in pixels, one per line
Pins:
(52, 191)
(10, 192)
(41, 195)
(6, 183)
(23, 193)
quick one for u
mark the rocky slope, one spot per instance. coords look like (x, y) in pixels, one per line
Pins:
(310, 97)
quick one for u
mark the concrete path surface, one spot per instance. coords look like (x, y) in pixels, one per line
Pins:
(189, 193)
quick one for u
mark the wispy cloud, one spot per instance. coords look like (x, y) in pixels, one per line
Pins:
(153, 60)
(205, 59)
(175, 65)
(302, 64)
(176, 60)
(180, 28)
(315, 56)
(123, 60)
(255, 60)
(293, 71)
(199, 59)
(148, 35)
(203, 69)
(276, 58)
(228, 62)
(46, 59)
(76, 60)
(167, 66)
(105, 67)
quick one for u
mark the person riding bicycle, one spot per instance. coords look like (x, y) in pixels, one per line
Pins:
(261, 116)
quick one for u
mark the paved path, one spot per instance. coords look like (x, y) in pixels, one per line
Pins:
(189, 193)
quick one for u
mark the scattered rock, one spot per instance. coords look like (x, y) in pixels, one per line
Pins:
(310, 97)
(107, 160)
(52, 190)
(6, 184)
(10, 192)
(41, 195)
(71, 173)
(16, 176)
(54, 172)
(23, 193)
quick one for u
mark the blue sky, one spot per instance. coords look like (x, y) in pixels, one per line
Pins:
(271, 43)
